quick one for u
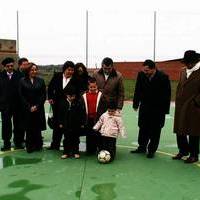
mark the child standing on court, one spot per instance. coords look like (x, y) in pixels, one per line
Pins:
(110, 126)
(95, 105)
(71, 118)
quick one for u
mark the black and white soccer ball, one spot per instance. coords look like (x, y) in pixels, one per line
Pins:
(104, 156)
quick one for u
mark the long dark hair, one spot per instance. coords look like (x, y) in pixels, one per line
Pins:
(77, 66)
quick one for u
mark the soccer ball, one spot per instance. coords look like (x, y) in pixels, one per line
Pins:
(104, 156)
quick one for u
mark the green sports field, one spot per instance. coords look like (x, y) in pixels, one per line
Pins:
(44, 176)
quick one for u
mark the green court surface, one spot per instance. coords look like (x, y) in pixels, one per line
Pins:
(44, 176)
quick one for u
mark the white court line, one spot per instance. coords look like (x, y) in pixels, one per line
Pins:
(160, 152)
(123, 146)
(12, 150)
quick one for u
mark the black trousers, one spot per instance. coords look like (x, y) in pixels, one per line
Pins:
(149, 138)
(92, 138)
(109, 144)
(71, 142)
(34, 139)
(56, 138)
(57, 132)
(11, 116)
(188, 145)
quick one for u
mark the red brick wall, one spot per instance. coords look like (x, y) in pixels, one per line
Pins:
(129, 70)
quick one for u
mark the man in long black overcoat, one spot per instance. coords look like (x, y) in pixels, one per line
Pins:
(152, 96)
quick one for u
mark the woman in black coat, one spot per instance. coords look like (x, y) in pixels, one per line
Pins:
(60, 82)
(33, 95)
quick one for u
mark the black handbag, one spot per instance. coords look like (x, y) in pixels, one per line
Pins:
(51, 120)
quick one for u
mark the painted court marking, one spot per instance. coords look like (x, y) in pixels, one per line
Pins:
(121, 146)
(160, 152)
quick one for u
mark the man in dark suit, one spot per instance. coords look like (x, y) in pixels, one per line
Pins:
(22, 65)
(152, 97)
(20, 139)
(10, 102)
(57, 85)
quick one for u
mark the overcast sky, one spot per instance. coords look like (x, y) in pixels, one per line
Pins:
(51, 32)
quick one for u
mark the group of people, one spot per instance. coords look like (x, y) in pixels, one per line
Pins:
(78, 101)
(22, 98)
(91, 106)
(152, 97)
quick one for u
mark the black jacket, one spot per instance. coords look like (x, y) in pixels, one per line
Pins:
(72, 117)
(55, 87)
(9, 90)
(153, 98)
(33, 94)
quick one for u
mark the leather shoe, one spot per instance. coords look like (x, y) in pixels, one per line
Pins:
(179, 156)
(138, 151)
(191, 160)
(5, 148)
(150, 155)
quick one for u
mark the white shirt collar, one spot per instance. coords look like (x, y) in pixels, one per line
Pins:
(65, 81)
(106, 76)
(10, 74)
(195, 68)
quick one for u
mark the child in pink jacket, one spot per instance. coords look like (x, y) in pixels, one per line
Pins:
(110, 126)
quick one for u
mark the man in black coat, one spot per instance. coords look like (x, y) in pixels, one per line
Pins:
(10, 101)
(152, 97)
(22, 66)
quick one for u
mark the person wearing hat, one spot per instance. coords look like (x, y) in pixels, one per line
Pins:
(187, 109)
(152, 96)
(9, 104)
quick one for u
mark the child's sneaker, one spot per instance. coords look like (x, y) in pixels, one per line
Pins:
(77, 156)
(64, 156)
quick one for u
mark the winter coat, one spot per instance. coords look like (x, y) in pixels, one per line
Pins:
(33, 94)
(112, 88)
(187, 104)
(110, 125)
(101, 106)
(56, 91)
(153, 99)
(9, 90)
(71, 116)
(55, 87)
